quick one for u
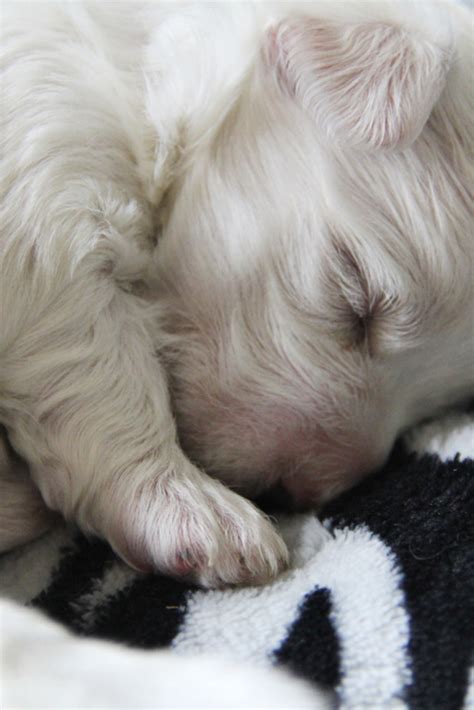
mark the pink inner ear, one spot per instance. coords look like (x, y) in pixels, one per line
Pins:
(369, 85)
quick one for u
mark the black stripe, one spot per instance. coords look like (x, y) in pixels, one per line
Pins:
(424, 511)
(311, 648)
(80, 567)
(147, 614)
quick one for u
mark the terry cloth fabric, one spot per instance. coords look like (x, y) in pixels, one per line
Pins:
(377, 607)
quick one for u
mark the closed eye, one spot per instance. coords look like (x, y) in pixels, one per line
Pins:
(380, 320)
(363, 304)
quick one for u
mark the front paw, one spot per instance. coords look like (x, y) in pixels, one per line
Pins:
(195, 528)
(241, 548)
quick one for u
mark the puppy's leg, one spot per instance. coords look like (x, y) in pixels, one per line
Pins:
(23, 514)
(92, 418)
(81, 391)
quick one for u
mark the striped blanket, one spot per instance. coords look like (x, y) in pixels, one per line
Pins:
(376, 611)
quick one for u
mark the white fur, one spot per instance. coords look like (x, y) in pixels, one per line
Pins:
(305, 169)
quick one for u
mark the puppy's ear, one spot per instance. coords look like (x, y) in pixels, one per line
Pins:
(369, 85)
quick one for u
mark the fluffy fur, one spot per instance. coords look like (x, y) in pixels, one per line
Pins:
(259, 209)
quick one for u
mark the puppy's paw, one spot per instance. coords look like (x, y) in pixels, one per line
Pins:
(239, 546)
(195, 528)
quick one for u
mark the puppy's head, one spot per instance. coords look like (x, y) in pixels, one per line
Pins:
(313, 259)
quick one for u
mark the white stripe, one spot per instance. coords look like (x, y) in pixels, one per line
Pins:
(370, 617)
(114, 579)
(27, 571)
(446, 437)
(249, 624)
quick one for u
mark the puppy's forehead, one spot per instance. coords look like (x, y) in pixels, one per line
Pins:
(267, 190)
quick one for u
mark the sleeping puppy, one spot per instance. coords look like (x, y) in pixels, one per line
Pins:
(250, 220)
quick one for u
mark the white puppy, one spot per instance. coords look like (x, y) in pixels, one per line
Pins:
(272, 197)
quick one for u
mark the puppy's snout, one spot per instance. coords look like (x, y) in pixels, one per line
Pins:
(330, 473)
